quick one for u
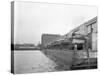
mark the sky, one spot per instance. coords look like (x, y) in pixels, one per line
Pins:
(31, 20)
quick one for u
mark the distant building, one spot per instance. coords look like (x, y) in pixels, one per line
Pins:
(49, 38)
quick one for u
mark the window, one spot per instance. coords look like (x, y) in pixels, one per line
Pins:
(89, 29)
(80, 46)
(94, 27)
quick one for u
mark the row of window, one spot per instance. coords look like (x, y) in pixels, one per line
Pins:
(92, 28)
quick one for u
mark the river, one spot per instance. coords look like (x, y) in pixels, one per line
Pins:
(32, 61)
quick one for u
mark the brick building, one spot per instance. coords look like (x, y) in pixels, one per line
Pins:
(49, 38)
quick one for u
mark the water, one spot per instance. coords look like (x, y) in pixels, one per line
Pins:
(32, 61)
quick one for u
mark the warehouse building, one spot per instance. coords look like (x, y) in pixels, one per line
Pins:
(49, 38)
(85, 34)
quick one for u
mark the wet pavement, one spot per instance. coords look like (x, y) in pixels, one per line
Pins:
(32, 61)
